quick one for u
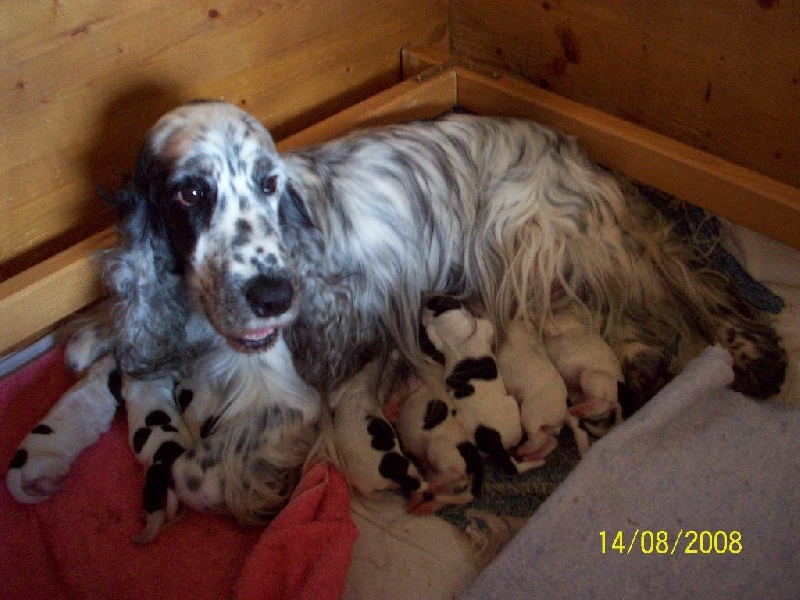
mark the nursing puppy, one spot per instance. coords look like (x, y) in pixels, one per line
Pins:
(590, 369)
(489, 414)
(366, 448)
(431, 431)
(539, 389)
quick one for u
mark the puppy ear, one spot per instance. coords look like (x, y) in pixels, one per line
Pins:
(149, 296)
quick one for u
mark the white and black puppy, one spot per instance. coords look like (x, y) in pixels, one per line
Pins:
(41, 463)
(490, 415)
(366, 448)
(431, 431)
(537, 385)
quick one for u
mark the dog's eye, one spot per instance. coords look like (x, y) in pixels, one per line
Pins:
(269, 184)
(191, 194)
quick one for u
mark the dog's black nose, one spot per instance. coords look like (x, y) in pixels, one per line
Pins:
(269, 296)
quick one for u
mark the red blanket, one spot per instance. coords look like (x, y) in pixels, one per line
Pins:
(77, 544)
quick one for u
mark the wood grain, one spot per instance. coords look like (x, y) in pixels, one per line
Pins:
(720, 76)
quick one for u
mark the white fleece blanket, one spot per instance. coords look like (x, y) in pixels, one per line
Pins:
(697, 458)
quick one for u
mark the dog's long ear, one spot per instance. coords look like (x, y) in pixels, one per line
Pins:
(145, 279)
(292, 211)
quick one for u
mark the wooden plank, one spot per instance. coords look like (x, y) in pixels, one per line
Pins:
(723, 77)
(404, 102)
(32, 301)
(726, 189)
(417, 59)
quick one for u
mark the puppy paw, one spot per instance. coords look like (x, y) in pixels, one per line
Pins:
(535, 449)
(156, 520)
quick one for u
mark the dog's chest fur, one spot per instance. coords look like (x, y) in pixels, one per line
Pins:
(329, 323)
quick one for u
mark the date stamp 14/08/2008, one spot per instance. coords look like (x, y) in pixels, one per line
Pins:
(690, 541)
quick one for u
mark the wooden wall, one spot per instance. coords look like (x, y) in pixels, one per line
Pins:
(81, 81)
(722, 76)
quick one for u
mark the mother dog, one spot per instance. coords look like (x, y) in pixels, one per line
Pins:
(332, 248)
(337, 244)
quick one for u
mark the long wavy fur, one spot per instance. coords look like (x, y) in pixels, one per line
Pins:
(150, 305)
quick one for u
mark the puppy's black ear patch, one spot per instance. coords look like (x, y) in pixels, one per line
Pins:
(436, 412)
(395, 467)
(140, 438)
(484, 368)
(19, 459)
(469, 369)
(383, 437)
(156, 417)
(168, 452)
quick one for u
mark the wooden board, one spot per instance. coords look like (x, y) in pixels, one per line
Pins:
(34, 300)
(723, 77)
(81, 82)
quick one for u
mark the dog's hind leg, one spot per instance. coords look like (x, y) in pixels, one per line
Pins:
(759, 361)
(678, 302)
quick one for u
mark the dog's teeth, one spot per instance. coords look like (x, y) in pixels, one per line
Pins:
(258, 334)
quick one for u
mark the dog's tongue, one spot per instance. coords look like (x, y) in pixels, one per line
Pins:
(258, 334)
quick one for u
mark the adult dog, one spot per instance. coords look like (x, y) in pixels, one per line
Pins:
(229, 244)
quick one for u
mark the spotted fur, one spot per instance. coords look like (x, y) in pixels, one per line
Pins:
(41, 463)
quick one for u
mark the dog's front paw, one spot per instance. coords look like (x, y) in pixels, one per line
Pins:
(35, 474)
(40, 466)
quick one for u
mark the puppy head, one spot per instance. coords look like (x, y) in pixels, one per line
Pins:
(207, 186)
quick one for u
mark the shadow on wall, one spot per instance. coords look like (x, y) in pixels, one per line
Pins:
(117, 137)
